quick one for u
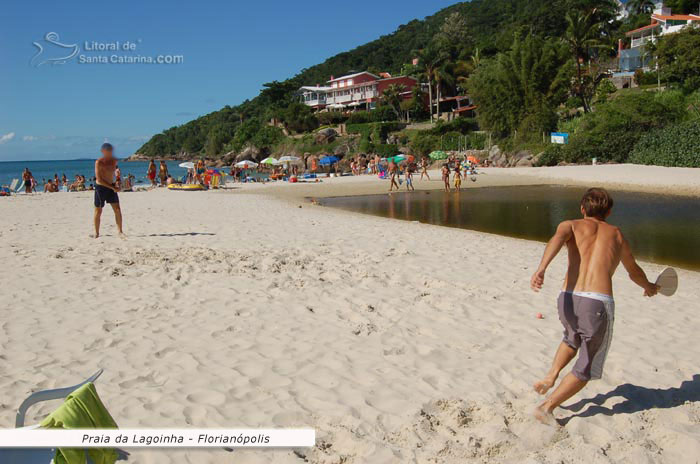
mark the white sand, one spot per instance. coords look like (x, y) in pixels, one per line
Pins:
(237, 309)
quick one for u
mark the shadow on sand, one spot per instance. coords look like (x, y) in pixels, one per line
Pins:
(183, 234)
(637, 399)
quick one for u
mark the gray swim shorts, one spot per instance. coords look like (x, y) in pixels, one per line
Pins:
(588, 327)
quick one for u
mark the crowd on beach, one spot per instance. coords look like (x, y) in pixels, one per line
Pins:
(78, 184)
(399, 170)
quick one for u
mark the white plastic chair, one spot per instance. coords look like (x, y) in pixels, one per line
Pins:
(48, 395)
(42, 455)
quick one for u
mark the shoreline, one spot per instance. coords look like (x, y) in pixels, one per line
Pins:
(632, 178)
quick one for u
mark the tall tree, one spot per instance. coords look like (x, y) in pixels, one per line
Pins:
(520, 90)
(678, 56)
(583, 36)
(430, 59)
(392, 97)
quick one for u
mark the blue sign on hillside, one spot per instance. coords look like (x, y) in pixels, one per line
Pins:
(562, 138)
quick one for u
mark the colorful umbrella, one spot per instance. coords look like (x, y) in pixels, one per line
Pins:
(397, 159)
(438, 155)
(289, 159)
(247, 164)
(270, 160)
(187, 165)
(328, 160)
(473, 159)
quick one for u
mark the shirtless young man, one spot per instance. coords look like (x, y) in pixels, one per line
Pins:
(586, 306)
(393, 175)
(106, 189)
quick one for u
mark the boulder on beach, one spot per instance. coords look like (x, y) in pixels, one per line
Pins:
(325, 136)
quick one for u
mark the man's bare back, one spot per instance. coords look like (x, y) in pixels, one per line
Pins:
(594, 249)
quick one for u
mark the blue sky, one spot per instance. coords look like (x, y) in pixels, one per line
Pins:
(229, 49)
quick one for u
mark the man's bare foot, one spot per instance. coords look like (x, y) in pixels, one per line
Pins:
(94, 235)
(544, 416)
(544, 385)
(122, 235)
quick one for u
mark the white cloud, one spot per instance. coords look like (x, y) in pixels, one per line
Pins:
(7, 137)
(30, 138)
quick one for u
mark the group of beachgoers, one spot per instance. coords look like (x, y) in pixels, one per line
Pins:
(458, 168)
(51, 185)
(161, 173)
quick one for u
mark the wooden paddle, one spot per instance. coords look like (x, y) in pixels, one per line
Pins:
(667, 281)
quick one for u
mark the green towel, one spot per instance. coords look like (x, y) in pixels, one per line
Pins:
(82, 410)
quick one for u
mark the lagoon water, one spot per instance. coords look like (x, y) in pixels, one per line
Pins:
(661, 228)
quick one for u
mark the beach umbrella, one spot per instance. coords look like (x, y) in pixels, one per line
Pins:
(270, 161)
(473, 159)
(289, 159)
(438, 155)
(397, 159)
(187, 165)
(328, 160)
(247, 164)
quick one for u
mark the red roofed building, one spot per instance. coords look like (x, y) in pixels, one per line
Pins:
(360, 90)
(662, 22)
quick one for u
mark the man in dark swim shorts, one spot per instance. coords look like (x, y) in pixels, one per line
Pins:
(106, 189)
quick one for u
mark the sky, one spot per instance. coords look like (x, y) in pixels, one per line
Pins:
(58, 101)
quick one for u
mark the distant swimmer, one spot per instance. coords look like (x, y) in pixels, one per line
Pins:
(106, 189)
(586, 306)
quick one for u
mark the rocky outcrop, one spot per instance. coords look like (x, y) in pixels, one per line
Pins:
(248, 153)
(497, 158)
(182, 156)
(342, 150)
(521, 159)
(325, 136)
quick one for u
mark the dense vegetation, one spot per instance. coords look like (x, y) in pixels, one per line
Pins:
(531, 66)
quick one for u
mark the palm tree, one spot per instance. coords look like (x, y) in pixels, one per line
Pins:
(465, 68)
(444, 80)
(429, 60)
(392, 97)
(582, 35)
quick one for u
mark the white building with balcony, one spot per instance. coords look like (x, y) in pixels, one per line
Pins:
(360, 90)
(663, 22)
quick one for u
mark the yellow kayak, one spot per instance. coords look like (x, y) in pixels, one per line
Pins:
(187, 187)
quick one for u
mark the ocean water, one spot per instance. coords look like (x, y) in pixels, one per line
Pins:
(44, 170)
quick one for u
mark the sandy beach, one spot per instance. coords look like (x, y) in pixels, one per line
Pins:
(253, 307)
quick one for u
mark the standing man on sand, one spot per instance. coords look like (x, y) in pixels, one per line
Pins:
(27, 180)
(393, 175)
(586, 306)
(106, 189)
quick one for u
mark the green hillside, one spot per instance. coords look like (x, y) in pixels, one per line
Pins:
(490, 23)
(531, 67)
